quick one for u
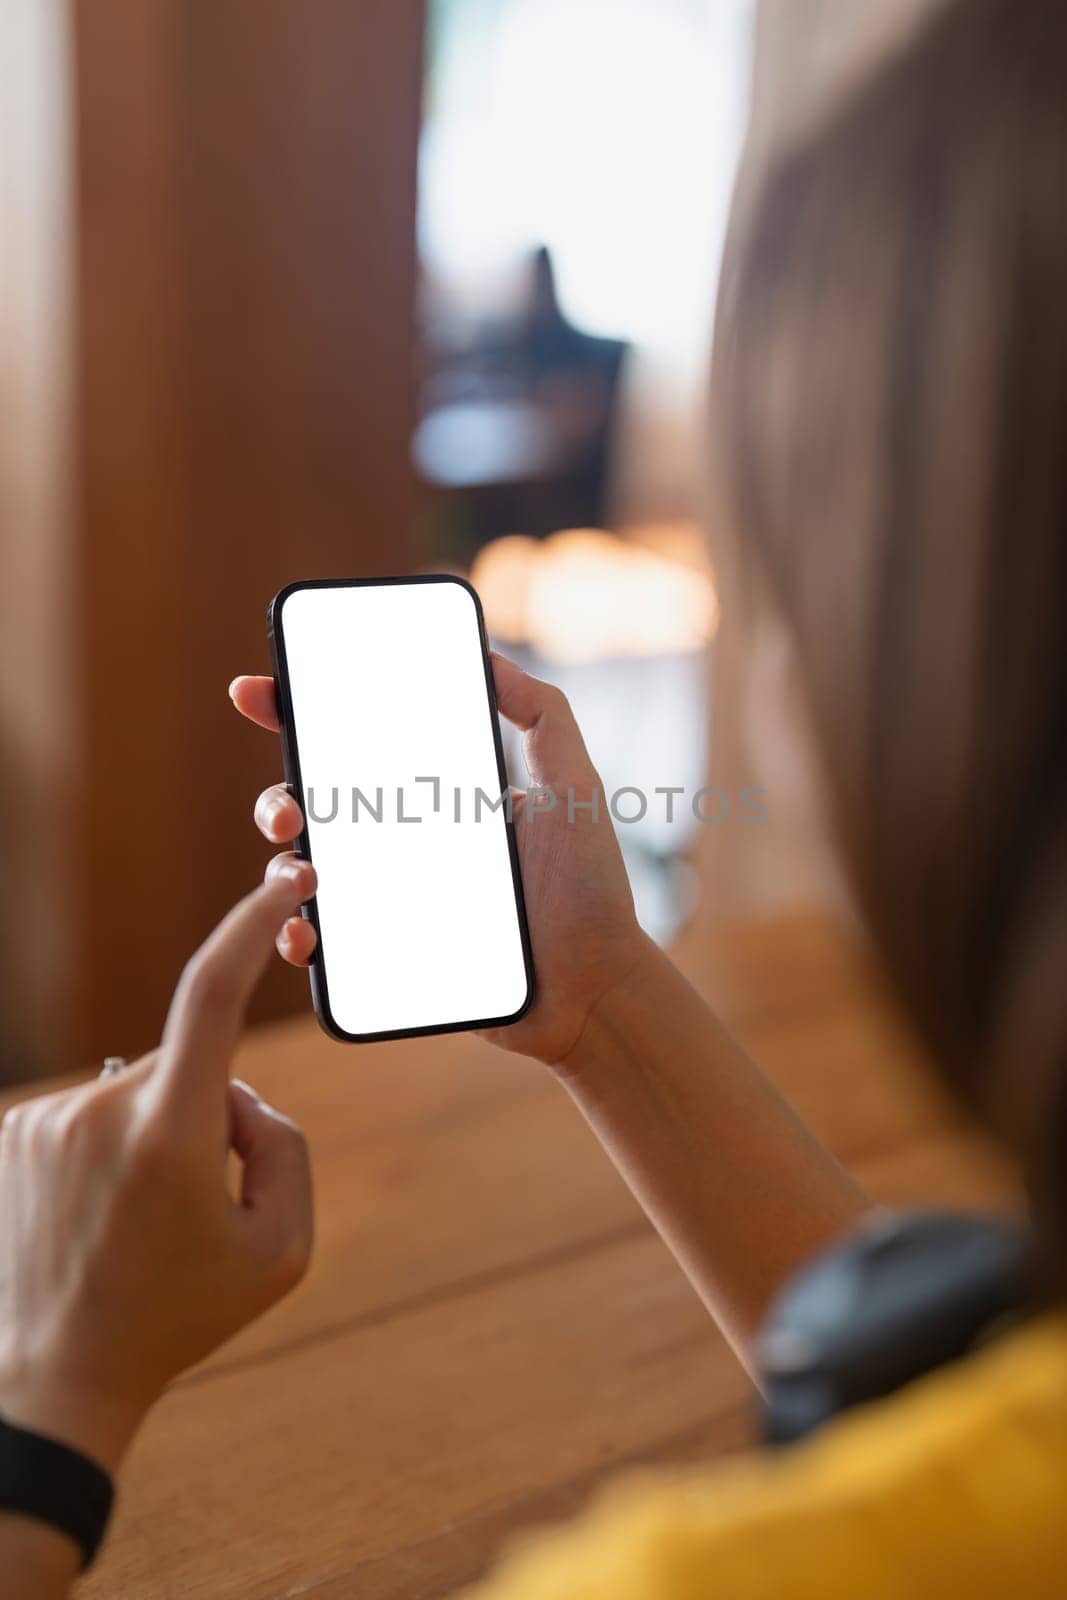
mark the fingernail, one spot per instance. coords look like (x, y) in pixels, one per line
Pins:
(268, 808)
(233, 687)
(300, 873)
(246, 1088)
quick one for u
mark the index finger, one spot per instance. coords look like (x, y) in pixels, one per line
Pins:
(256, 699)
(209, 1004)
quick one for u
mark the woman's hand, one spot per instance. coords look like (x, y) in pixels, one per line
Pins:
(124, 1258)
(585, 937)
(689, 1121)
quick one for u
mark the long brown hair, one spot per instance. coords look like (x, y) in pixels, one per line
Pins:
(891, 361)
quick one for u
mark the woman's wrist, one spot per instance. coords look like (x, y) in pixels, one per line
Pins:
(38, 1561)
(96, 1424)
(737, 1186)
(630, 1006)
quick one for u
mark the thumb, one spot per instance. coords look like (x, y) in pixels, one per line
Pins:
(276, 1198)
(553, 747)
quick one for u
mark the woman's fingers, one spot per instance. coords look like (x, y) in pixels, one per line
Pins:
(209, 1003)
(296, 942)
(297, 939)
(277, 815)
(275, 1181)
(255, 699)
(553, 745)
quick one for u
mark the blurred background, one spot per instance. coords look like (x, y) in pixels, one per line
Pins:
(363, 287)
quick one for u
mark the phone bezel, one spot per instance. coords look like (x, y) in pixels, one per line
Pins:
(302, 846)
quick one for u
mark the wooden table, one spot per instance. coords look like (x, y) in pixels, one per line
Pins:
(490, 1328)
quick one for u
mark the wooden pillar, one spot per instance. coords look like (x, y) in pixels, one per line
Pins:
(38, 717)
(237, 291)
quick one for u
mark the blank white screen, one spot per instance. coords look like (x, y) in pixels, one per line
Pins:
(418, 920)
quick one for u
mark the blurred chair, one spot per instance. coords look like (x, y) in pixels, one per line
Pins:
(518, 421)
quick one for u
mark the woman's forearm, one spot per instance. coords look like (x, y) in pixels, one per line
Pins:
(738, 1187)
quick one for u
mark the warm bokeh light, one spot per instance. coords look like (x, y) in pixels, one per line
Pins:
(589, 595)
(682, 542)
(502, 574)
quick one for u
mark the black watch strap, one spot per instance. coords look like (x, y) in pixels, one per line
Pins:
(42, 1478)
(907, 1293)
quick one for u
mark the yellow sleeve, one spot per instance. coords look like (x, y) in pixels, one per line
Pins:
(957, 1487)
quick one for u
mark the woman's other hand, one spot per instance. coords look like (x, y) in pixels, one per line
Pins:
(585, 937)
(124, 1256)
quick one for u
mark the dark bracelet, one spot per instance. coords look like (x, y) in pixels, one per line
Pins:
(907, 1293)
(41, 1478)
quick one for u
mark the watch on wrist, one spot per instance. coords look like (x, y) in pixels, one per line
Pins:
(907, 1293)
(49, 1481)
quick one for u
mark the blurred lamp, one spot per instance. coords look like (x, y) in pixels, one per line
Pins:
(586, 595)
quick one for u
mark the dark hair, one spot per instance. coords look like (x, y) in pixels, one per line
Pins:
(891, 376)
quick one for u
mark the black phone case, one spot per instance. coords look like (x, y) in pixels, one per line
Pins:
(291, 762)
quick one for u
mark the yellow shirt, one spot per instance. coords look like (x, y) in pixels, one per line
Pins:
(955, 1487)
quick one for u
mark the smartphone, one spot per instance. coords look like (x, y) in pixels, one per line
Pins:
(392, 747)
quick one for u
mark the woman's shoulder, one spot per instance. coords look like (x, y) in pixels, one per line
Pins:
(956, 1485)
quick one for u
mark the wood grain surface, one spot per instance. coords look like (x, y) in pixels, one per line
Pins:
(490, 1328)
